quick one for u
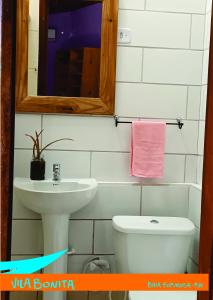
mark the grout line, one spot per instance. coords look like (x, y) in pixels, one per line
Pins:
(185, 168)
(142, 66)
(198, 138)
(78, 254)
(201, 102)
(189, 188)
(121, 152)
(145, 5)
(163, 11)
(158, 48)
(193, 260)
(187, 102)
(28, 254)
(141, 199)
(130, 117)
(93, 237)
(159, 83)
(190, 33)
(90, 171)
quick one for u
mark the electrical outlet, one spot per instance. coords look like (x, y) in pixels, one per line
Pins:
(124, 36)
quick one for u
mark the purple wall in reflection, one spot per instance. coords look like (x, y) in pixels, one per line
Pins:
(0, 19)
(76, 29)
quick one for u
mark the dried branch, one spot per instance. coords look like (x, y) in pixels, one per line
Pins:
(44, 148)
(37, 151)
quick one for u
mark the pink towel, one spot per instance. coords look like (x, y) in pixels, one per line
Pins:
(147, 155)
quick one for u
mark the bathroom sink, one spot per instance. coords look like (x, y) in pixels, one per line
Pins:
(55, 201)
(49, 197)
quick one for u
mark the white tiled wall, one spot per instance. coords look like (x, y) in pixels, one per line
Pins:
(194, 216)
(161, 74)
(90, 230)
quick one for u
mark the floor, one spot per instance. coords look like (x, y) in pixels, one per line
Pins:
(95, 296)
(70, 296)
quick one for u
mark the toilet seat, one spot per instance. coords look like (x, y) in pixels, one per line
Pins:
(162, 295)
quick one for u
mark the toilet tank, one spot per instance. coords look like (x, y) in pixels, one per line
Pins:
(151, 244)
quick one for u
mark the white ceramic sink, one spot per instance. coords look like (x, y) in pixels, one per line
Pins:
(55, 201)
(48, 197)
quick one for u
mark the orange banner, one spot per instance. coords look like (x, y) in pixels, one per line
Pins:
(109, 282)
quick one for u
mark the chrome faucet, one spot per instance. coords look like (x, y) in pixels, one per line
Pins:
(56, 172)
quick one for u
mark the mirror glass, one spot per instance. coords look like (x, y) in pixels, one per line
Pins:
(64, 48)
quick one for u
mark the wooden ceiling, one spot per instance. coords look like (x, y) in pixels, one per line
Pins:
(69, 5)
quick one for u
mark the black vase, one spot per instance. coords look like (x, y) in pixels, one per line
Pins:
(37, 169)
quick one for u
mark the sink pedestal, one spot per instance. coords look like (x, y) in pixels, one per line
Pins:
(55, 202)
(55, 230)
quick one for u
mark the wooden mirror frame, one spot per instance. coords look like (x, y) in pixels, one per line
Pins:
(104, 105)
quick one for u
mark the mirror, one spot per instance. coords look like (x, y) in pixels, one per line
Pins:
(62, 56)
(69, 49)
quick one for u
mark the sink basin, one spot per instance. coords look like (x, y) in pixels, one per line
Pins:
(55, 201)
(48, 197)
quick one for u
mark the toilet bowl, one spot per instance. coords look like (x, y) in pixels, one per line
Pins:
(145, 245)
(163, 295)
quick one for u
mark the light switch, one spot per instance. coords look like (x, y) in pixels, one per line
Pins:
(124, 36)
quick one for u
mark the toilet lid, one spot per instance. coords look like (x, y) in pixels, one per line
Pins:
(162, 295)
(153, 225)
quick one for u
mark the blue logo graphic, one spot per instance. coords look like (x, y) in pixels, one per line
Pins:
(30, 266)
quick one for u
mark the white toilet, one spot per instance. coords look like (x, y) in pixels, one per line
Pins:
(151, 245)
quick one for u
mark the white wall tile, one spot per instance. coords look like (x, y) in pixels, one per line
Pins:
(191, 168)
(110, 200)
(76, 263)
(32, 82)
(27, 237)
(203, 102)
(116, 167)
(73, 164)
(138, 100)
(198, 31)
(34, 15)
(81, 236)
(172, 66)
(103, 241)
(184, 140)
(194, 99)
(205, 67)
(194, 254)
(109, 166)
(26, 123)
(129, 4)
(185, 6)
(33, 49)
(200, 170)
(129, 64)
(171, 201)
(89, 133)
(207, 30)
(192, 267)
(208, 5)
(201, 137)
(22, 159)
(195, 205)
(154, 29)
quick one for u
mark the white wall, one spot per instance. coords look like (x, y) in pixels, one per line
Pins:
(162, 74)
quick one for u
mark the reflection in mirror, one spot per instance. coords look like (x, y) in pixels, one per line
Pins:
(65, 48)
